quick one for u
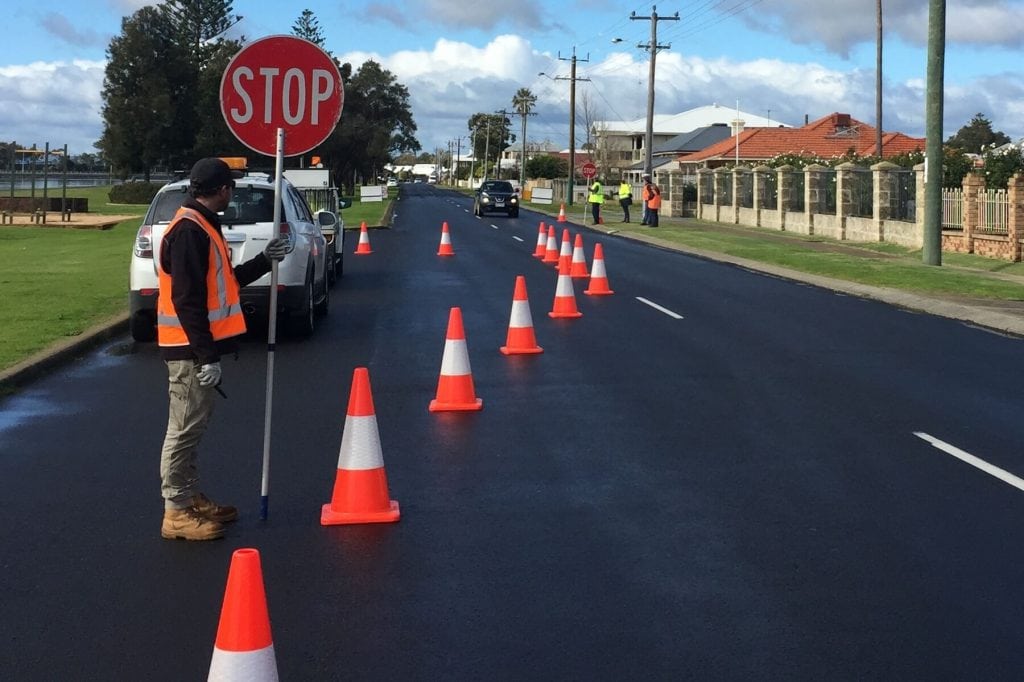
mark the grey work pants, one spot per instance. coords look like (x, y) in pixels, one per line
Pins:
(191, 406)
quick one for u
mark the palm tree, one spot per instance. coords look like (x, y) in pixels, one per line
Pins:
(523, 102)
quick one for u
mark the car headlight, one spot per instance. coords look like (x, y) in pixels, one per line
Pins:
(513, 199)
(484, 198)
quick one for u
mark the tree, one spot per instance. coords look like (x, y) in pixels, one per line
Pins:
(147, 78)
(198, 22)
(523, 102)
(212, 135)
(308, 26)
(974, 137)
(547, 166)
(375, 125)
(491, 135)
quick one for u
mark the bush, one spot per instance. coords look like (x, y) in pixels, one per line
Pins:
(134, 192)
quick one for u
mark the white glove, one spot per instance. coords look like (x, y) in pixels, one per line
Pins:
(276, 249)
(209, 375)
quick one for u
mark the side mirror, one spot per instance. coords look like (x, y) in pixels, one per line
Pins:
(326, 220)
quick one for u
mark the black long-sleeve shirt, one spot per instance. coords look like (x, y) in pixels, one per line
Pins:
(185, 256)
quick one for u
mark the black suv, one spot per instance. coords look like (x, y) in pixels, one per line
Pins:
(496, 195)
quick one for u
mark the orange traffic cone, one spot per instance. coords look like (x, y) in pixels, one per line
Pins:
(521, 339)
(542, 242)
(578, 267)
(244, 649)
(455, 386)
(565, 253)
(360, 486)
(598, 277)
(551, 248)
(446, 242)
(565, 296)
(363, 247)
(561, 214)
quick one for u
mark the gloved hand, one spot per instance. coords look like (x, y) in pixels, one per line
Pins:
(276, 249)
(209, 375)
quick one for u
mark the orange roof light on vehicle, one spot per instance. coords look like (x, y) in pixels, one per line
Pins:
(239, 163)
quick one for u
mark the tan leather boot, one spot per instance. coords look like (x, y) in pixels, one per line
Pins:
(220, 513)
(188, 524)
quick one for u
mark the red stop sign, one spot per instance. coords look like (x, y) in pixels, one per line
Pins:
(281, 82)
(588, 170)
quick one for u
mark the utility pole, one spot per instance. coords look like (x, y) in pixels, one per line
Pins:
(572, 113)
(931, 252)
(878, 78)
(487, 145)
(522, 161)
(653, 47)
(458, 155)
(472, 164)
(497, 160)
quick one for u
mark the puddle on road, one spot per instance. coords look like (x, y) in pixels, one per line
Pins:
(22, 407)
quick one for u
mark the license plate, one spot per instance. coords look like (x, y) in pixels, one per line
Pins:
(499, 202)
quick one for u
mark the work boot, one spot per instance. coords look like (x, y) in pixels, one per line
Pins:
(213, 511)
(188, 524)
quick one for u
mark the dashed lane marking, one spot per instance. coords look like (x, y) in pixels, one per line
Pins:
(518, 239)
(990, 469)
(659, 308)
(494, 226)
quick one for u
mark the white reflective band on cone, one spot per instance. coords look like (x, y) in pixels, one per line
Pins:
(597, 269)
(520, 314)
(455, 361)
(360, 444)
(250, 666)
(564, 287)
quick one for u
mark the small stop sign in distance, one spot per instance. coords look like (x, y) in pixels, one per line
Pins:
(281, 82)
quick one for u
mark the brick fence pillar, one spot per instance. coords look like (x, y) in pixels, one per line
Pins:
(785, 188)
(703, 178)
(973, 183)
(723, 181)
(815, 178)
(1015, 228)
(881, 194)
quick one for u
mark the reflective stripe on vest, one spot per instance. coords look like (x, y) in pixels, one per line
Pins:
(625, 190)
(223, 297)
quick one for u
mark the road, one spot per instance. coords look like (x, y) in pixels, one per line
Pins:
(734, 492)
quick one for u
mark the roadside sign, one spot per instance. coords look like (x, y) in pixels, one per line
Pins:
(588, 170)
(281, 82)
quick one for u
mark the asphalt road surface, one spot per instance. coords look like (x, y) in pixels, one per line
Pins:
(734, 490)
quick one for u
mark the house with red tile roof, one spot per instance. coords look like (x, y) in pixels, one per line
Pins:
(830, 136)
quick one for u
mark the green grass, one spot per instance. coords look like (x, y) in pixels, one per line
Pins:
(372, 212)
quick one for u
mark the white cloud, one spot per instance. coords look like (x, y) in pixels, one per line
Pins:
(840, 25)
(55, 102)
(59, 26)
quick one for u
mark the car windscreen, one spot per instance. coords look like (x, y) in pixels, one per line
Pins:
(248, 205)
(497, 187)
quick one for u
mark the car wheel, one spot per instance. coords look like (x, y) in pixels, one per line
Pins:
(302, 323)
(514, 214)
(325, 302)
(339, 263)
(142, 325)
(331, 274)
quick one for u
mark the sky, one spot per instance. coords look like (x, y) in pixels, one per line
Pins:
(788, 60)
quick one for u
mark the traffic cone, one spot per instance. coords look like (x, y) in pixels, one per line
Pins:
(561, 214)
(551, 248)
(598, 277)
(565, 253)
(360, 486)
(455, 386)
(578, 266)
(565, 296)
(521, 339)
(244, 650)
(446, 242)
(542, 242)
(363, 247)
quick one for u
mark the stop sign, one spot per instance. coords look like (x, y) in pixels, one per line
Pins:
(588, 170)
(281, 82)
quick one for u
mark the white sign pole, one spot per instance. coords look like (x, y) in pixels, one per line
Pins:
(271, 330)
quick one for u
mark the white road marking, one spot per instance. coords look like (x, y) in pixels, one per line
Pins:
(990, 469)
(494, 226)
(658, 307)
(518, 239)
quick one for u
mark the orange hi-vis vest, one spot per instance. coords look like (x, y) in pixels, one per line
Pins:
(654, 200)
(223, 297)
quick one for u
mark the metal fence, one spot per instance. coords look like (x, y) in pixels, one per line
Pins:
(796, 183)
(321, 199)
(745, 190)
(707, 190)
(903, 195)
(828, 187)
(768, 190)
(993, 211)
(859, 186)
(952, 209)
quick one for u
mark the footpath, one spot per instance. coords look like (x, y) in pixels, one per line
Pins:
(1001, 316)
